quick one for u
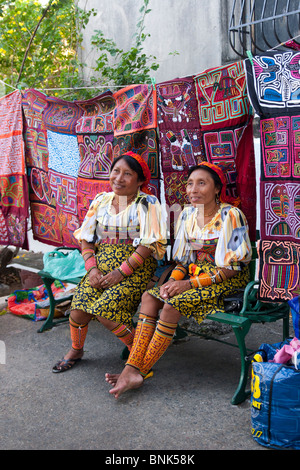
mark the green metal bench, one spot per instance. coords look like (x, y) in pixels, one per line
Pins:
(48, 280)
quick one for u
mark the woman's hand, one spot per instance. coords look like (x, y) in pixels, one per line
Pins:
(172, 288)
(110, 279)
(95, 277)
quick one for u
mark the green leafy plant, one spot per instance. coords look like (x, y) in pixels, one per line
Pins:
(127, 67)
(39, 49)
(38, 46)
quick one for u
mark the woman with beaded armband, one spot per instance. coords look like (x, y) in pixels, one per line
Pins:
(122, 236)
(212, 250)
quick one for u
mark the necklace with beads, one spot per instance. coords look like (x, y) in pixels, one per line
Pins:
(129, 201)
(213, 212)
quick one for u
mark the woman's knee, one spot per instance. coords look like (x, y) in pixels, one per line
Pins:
(80, 316)
(170, 314)
(150, 303)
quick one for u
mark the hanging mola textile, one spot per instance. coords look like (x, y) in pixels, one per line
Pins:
(14, 204)
(180, 140)
(135, 122)
(68, 157)
(273, 81)
(226, 126)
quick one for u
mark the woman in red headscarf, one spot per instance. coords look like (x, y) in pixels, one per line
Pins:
(212, 250)
(122, 236)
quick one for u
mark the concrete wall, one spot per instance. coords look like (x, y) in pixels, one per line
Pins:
(196, 29)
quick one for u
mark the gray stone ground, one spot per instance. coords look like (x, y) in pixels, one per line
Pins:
(185, 406)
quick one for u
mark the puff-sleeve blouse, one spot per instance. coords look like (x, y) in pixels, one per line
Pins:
(140, 223)
(223, 241)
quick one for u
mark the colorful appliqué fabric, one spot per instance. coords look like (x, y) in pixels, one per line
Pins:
(135, 122)
(226, 125)
(69, 150)
(273, 81)
(14, 203)
(178, 122)
(135, 109)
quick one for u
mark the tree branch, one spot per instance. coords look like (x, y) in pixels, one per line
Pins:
(32, 38)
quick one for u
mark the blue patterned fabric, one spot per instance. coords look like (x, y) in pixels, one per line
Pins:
(63, 148)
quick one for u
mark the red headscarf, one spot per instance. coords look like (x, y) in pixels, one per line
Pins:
(223, 196)
(145, 169)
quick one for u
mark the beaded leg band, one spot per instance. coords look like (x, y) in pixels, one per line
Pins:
(199, 279)
(160, 341)
(125, 334)
(142, 337)
(78, 333)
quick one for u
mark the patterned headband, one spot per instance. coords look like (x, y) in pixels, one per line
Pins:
(145, 169)
(223, 196)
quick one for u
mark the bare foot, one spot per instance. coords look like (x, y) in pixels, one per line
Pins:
(112, 378)
(129, 379)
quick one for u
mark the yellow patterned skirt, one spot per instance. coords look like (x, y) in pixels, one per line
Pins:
(200, 302)
(119, 302)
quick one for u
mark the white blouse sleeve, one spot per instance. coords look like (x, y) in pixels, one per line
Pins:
(87, 231)
(182, 251)
(153, 226)
(234, 246)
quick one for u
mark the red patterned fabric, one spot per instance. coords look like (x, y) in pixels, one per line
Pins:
(135, 109)
(61, 189)
(273, 81)
(14, 202)
(226, 125)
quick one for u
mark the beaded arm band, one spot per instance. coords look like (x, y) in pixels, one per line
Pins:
(90, 261)
(178, 273)
(133, 262)
(205, 279)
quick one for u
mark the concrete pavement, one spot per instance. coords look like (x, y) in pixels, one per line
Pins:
(185, 406)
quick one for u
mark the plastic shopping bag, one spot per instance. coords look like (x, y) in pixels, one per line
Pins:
(64, 266)
(295, 309)
(275, 404)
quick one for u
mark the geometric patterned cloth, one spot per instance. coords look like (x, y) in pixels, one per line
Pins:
(14, 204)
(180, 140)
(68, 156)
(134, 126)
(274, 89)
(226, 126)
(69, 146)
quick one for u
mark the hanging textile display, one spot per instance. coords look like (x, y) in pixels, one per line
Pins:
(179, 136)
(14, 204)
(144, 143)
(226, 125)
(94, 131)
(69, 146)
(68, 155)
(273, 81)
(135, 122)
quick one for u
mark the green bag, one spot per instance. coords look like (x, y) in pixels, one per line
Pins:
(64, 266)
